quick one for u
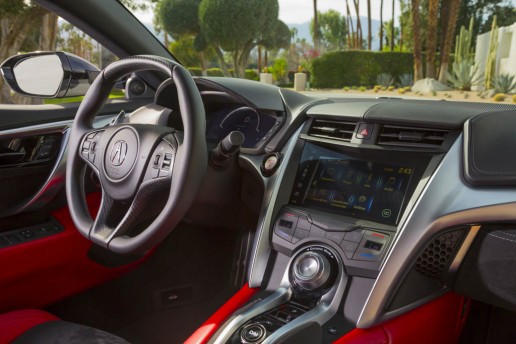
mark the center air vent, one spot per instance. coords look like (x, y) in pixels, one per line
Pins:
(336, 130)
(412, 137)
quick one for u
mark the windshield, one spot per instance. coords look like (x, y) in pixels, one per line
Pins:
(437, 49)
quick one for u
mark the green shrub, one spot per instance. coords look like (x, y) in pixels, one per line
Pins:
(340, 68)
(195, 71)
(362, 88)
(514, 99)
(251, 74)
(504, 83)
(384, 79)
(214, 72)
(500, 97)
(406, 79)
(464, 75)
(279, 69)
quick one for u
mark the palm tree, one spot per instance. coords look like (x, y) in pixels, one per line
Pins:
(454, 6)
(381, 25)
(369, 37)
(418, 66)
(392, 28)
(431, 39)
(316, 26)
(351, 29)
(358, 44)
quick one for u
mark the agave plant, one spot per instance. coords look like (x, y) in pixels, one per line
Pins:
(504, 83)
(406, 79)
(464, 75)
(384, 79)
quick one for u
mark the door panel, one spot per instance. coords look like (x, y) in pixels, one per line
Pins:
(44, 267)
(38, 273)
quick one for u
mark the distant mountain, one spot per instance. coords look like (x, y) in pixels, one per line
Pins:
(303, 30)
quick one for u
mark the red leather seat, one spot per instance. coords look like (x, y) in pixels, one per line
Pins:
(14, 324)
(39, 327)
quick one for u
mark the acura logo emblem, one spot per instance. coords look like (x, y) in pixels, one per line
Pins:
(118, 153)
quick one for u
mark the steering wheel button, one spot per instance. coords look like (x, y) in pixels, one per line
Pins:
(156, 160)
(93, 146)
(86, 144)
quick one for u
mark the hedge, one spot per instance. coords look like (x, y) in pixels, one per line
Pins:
(354, 68)
(250, 74)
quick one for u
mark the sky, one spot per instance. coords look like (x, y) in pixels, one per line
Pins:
(300, 11)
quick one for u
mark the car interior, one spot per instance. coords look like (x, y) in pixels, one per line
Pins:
(224, 210)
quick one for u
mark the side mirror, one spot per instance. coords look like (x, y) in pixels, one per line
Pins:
(49, 74)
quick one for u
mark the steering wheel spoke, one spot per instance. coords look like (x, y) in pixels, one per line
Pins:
(118, 219)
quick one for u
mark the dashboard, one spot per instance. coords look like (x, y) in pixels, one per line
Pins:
(379, 189)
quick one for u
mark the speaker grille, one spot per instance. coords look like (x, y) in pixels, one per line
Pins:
(436, 258)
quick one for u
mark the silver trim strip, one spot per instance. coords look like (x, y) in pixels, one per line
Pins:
(446, 201)
(46, 128)
(326, 308)
(262, 246)
(466, 244)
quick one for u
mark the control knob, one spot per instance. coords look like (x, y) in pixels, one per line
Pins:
(310, 271)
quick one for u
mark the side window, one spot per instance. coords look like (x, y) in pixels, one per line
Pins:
(26, 27)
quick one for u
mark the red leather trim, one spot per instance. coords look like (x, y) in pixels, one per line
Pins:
(439, 321)
(14, 324)
(38, 273)
(210, 326)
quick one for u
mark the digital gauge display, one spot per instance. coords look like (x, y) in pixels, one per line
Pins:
(253, 124)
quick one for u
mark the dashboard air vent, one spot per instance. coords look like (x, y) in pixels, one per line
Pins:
(412, 137)
(336, 130)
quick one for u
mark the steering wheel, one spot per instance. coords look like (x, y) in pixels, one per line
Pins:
(136, 163)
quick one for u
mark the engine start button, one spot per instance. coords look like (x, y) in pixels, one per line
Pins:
(252, 333)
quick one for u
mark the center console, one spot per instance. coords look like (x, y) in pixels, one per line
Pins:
(330, 222)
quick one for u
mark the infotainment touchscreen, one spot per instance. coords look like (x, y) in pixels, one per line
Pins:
(331, 181)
